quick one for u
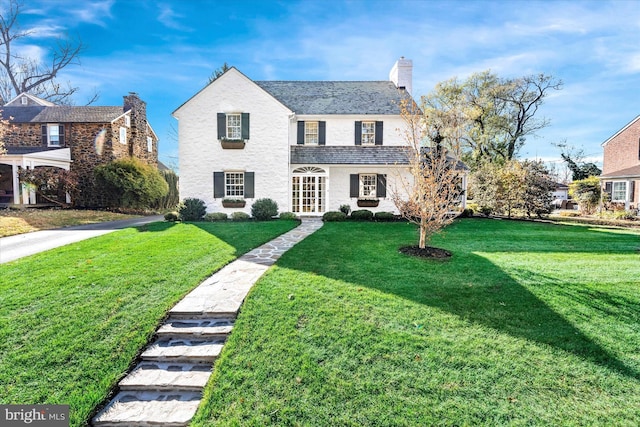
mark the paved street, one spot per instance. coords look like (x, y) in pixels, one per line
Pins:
(14, 247)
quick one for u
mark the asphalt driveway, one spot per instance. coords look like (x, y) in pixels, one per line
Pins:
(21, 245)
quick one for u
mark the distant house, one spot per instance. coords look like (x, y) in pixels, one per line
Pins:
(621, 167)
(311, 146)
(42, 134)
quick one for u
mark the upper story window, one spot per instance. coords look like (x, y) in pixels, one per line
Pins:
(312, 133)
(127, 121)
(369, 133)
(367, 185)
(233, 126)
(149, 144)
(53, 135)
(24, 100)
(123, 135)
(234, 129)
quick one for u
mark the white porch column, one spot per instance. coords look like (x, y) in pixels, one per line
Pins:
(464, 195)
(16, 182)
(627, 196)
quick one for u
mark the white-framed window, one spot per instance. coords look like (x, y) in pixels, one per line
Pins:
(24, 100)
(311, 133)
(368, 133)
(123, 135)
(368, 185)
(619, 191)
(53, 135)
(234, 126)
(149, 144)
(234, 184)
(127, 121)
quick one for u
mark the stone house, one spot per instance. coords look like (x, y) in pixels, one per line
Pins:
(311, 146)
(621, 166)
(41, 134)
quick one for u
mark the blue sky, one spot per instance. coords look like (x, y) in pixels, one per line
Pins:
(166, 50)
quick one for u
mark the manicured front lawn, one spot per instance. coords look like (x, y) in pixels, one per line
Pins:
(527, 324)
(74, 318)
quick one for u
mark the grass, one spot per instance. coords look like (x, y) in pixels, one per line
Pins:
(18, 221)
(527, 324)
(74, 318)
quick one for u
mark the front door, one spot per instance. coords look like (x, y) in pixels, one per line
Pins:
(308, 191)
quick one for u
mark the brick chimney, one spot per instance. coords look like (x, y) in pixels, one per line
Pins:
(402, 74)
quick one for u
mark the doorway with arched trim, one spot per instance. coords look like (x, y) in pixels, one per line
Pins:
(308, 190)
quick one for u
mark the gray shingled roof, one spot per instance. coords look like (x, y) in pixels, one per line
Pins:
(350, 155)
(28, 150)
(61, 114)
(318, 97)
(633, 171)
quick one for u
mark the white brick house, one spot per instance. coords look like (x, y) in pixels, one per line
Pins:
(309, 145)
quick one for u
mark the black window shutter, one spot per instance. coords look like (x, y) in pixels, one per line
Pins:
(381, 185)
(354, 185)
(300, 133)
(44, 134)
(607, 187)
(378, 133)
(218, 185)
(632, 189)
(222, 125)
(61, 133)
(358, 133)
(245, 125)
(249, 185)
(322, 133)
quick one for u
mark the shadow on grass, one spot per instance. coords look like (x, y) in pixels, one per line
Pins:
(468, 285)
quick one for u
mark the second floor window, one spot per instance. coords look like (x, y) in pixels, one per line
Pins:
(234, 128)
(368, 133)
(123, 135)
(311, 133)
(53, 135)
(149, 144)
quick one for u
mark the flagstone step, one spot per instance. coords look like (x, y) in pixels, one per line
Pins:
(196, 328)
(158, 376)
(134, 409)
(184, 350)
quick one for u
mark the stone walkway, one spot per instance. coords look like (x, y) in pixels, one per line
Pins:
(166, 387)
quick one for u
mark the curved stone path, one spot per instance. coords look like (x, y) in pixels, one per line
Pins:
(166, 387)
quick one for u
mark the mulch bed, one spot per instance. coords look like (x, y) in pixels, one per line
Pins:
(427, 252)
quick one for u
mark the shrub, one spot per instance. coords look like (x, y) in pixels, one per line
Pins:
(345, 209)
(172, 216)
(628, 215)
(466, 213)
(264, 209)
(240, 216)
(288, 215)
(216, 216)
(192, 209)
(334, 216)
(172, 198)
(569, 213)
(130, 183)
(486, 210)
(384, 216)
(362, 215)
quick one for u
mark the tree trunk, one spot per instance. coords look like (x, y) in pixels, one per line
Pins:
(423, 234)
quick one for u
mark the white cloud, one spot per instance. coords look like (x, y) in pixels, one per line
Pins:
(171, 19)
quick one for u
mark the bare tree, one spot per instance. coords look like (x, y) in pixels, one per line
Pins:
(218, 72)
(19, 73)
(433, 134)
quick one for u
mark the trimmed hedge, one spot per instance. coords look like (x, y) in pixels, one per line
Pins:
(384, 216)
(192, 209)
(288, 215)
(362, 215)
(216, 216)
(240, 216)
(264, 209)
(334, 216)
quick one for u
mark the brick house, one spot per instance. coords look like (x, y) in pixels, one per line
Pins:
(40, 134)
(311, 146)
(621, 166)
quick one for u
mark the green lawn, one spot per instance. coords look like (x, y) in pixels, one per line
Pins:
(74, 318)
(527, 324)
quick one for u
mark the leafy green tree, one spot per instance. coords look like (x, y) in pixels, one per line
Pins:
(172, 198)
(580, 170)
(587, 192)
(51, 183)
(538, 189)
(130, 183)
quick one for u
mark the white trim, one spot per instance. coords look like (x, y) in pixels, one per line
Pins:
(621, 130)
